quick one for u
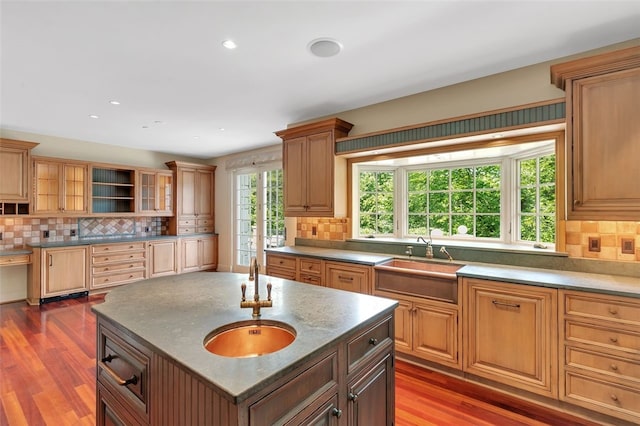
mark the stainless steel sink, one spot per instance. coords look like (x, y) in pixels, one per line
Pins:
(423, 279)
(249, 338)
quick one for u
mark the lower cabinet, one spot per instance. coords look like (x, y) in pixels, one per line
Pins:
(58, 271)
(163, 257)
(600, 353)
(199, 253)
(370, 402)
(511, 334)
(118, 263)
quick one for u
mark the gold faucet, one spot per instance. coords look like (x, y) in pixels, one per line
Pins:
(443, 249)
(256, 303)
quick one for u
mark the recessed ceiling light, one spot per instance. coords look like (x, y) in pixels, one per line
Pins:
(93, 116)
(145, 127)
(158, 122)
(114, 102)
(324, 47)
(229, 44)
(196, 137)
(221, 129)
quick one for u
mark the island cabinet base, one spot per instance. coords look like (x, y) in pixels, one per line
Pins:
(350, 382)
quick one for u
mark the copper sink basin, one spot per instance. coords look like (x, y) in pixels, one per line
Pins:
(249, 338)
(439, 270)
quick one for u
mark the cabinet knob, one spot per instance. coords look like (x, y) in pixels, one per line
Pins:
(352, 396)
(614, 367)
(614, 397)
(613, 311)
(613, 339)
(373, 341)
(336, 412)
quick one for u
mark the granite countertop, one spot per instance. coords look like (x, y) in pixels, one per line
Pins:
(334, 254)
(108, 240)
(15, 252)
(175, 314)
(599, 283)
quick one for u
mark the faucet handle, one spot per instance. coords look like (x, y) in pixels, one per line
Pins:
(244, 291)
(269, 291)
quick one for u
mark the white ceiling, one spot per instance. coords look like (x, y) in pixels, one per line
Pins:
(63, 61)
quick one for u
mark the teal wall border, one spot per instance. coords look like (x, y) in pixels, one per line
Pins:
(537, 115)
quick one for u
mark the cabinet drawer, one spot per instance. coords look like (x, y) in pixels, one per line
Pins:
(119, 267)
(311, 279)
(311, 266)
(109, 248)
(602, 363)
(204, 229)
(115, 279)
(21, 259)
(204, 222)
(345, 277)
(368, 343)
(123, 370)
(596, 394)
(617, 309)
(187, 222)
(186, 230)
(287, 274)
(281, 262)
(118, 257)
(606, 337)
(297, 392)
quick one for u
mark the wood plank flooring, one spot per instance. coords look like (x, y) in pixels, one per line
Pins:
(47, 377)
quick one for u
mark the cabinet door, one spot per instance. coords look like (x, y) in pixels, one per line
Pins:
(204, 193)
(435, 333)
(14, 165)
(370, 397)
(403, 329)
(187, 190)
(163, 258)
(65, 270)
(295, 182)
(47, 187)
(320, 173)
(147, 195)
(347, 277)
(511, 334)
(208, 248)
(606, 147)
(74, 191)
(189, 257)
(164, 193)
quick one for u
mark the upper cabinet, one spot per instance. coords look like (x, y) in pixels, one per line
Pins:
(155, 192)
(603, 134)
(60, 187)
(194, 198)
(112, 190)
(15, 160)
(314, 178)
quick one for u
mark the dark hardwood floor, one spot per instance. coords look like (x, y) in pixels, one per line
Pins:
(47, 377)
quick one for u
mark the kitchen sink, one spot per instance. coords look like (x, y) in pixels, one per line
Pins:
(247, 339)
(432, 280)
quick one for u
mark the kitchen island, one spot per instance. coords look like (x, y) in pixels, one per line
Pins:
(153, 367)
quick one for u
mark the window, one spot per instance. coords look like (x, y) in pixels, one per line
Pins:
(259, 214)
(503, 194)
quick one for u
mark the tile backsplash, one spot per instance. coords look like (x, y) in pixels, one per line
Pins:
(20, 231)
(577, 235)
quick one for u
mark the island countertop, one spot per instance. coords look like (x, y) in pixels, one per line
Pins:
(175, 314)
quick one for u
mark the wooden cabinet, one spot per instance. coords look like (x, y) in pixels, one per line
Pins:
(60, 187)
(194, 198)
(112, 190)
(370, 402)
(163, 257)
(314, 179)
(600, 356)
(348, 276)
(118, 263)
(511, 334)
(198, 253)
(602, 104)
(311, 271)
(59, 271)
(282, 266)
(155, 192)
(15, 178)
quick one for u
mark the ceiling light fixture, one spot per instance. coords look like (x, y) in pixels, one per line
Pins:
(93, 116)
(324, 47)
(114, 102)
(229, 44)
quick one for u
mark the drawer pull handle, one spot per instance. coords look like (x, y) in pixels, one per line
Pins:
(343, 278)
(133, 380)
(109, 358)
(353, 396)
(508, 305)
(613, 311)
(373, 341)
(336, 412)
(614, 367)
(614, 397)
(613, 339)
(282, 262)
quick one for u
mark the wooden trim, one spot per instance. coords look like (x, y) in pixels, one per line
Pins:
(12, 143)
(330, 124)
(595, 65)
